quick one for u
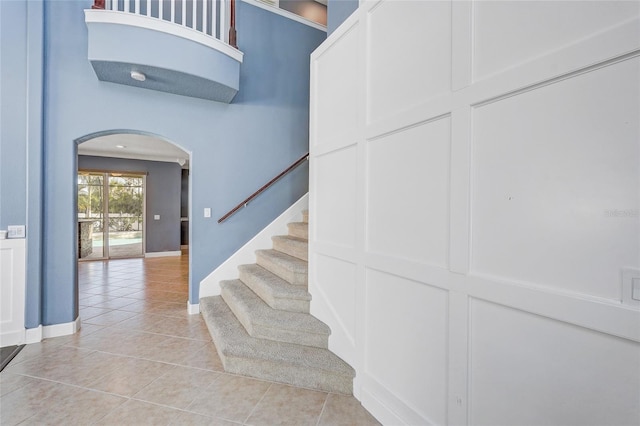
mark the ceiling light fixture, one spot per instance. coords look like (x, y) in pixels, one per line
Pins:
(136, 75)
(121, 146)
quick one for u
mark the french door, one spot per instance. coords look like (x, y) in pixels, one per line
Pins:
(111, 211)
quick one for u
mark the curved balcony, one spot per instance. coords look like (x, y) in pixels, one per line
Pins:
(173, 46)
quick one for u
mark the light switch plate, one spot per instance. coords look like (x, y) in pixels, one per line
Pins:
(16, 231)
(207, 212)
(156, 217)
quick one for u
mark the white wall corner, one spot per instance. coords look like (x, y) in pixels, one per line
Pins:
(210, 286)
(193, 309)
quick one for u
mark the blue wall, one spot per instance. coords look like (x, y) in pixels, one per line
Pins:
(234, 148)
(21, 127)
(163, 184)
(338, 11)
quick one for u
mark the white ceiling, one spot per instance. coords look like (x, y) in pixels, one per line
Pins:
(139, 147)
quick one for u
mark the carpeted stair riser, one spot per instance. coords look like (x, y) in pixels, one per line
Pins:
(299, 229)
(275, 291)
(293, 246)
(263, 322)
(298, 365)
(290, 269)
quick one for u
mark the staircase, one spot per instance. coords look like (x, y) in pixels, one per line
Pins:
(261, 323)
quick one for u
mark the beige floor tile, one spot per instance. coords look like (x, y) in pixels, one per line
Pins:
(110, 318)
(44, 355)
(75, 406)
(122, 291)
(345, 410)
(136, 413)
(184, 418)
(230, 398)
(171, 309)
(118, 303)
(88, 312)
(126, 376)
(178, 387)
(288, 405)
(48, 347)
(168, 349)
(79, 372)
(11, 382)
(140, 306)
(190, 328)
(206, 358)
(25, 402)
(93, 300)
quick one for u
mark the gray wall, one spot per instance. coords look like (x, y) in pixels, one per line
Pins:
(162, 197)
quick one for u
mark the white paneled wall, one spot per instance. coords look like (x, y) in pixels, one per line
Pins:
(12, 291)
(474, 199)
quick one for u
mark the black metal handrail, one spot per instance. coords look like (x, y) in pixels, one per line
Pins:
(244, 203)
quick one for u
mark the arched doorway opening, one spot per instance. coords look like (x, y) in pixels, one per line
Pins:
(132, 198)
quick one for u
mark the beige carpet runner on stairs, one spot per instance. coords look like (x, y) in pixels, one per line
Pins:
(261, 323)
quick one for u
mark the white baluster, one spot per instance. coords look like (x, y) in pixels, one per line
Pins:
(194, 18)
(173, 11)
(184, 13)
(126, 6)
(204, 16)
(148, 7)
(214, 18)
(161, 9)
(223, 21)
(136, 7)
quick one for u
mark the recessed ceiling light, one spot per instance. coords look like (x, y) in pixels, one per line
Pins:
(121, 146)
(136, 75)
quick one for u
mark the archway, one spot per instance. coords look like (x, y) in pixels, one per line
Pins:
(161, 228)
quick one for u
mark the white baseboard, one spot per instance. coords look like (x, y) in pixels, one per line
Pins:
(163, 253)
(33, 335)
(210, 286)
(57, 330)
(193, 309)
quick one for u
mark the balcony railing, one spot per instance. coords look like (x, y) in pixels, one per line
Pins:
(214, 18)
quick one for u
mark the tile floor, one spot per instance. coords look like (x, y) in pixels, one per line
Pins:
(141, 359)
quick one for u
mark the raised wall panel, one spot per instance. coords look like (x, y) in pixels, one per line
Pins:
(408, 193)
(336, 280)
(335, 93)
(335, 217)
(554, 171)
(535, 28)
(406, 335)
(532, 370)
(409, 55)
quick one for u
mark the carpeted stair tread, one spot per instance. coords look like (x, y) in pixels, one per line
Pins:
(297, 365)
(293, 246)
(262, 321)
(276, 292)
(299, 229)
(289, 268)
